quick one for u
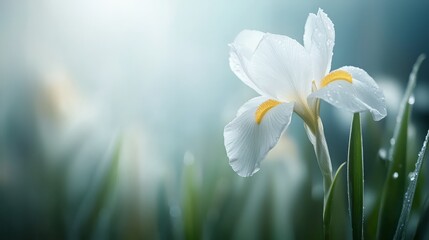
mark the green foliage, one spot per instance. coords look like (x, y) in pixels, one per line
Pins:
(394, 187)
(330, 219)
(422, 231)
(101, 195)
(409, 195)
(355, 178)
(206, 200)
(191, 202)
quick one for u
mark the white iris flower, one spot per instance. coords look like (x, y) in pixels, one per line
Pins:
(292, 78)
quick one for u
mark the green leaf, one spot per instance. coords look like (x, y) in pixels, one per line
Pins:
(191, 201)
(100, 195)
(409, 195)
(422, 231)
(411, 82)
(355, 177)
(394, 187)
(164, 217)
(328, 212)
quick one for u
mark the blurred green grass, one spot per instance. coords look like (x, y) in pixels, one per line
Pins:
(77, 79)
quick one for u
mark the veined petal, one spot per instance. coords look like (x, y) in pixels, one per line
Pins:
(253, 103)
(360, 95)
(319, 40)
(241, 51)
(279, 68)
(248, 142)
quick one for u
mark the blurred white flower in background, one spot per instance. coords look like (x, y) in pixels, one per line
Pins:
(63, 112)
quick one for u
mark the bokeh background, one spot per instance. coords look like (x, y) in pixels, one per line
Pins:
(112, 116)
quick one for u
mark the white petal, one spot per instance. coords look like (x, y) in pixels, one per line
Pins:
(251, 104)
(279, 68)
(319, 40)
(360, 95)
(247, 143)
(241, 51)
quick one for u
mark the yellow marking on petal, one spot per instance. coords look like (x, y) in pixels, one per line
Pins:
(264, 108)
(336, 75)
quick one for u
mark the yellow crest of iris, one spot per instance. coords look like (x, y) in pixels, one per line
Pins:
(331, 77)
(264, 108)
(336, 75)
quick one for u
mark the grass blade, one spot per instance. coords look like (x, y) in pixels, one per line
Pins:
(327, 214)
(394, 187)
(422, 231)
(411, 82)
(355, 177)
(191, 201)
(100, 195)
(409, 195)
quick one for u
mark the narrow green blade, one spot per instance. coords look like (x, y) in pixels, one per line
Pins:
(327, 213)
(422, 231)
(409, 195)
(394, 187)
(412, 81)
(100, 195)
(191, 201)
(355, 178)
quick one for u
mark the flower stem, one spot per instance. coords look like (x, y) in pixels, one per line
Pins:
(317, 137)
(323, 158)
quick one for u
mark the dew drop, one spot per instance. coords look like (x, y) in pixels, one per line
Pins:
(411, 100)
(329, 95)
(395, 175)
(382, 153)
(392, 141)
(412, 176)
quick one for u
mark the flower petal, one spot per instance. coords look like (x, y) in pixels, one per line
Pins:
(319, 40)
(279, 68)
(241, 51)
(360, 95)
(247, 142)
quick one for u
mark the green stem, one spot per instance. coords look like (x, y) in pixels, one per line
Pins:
(317, 138)
(323, 158)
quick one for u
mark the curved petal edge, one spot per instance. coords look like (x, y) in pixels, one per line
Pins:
(363, 94)
(247, 142)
